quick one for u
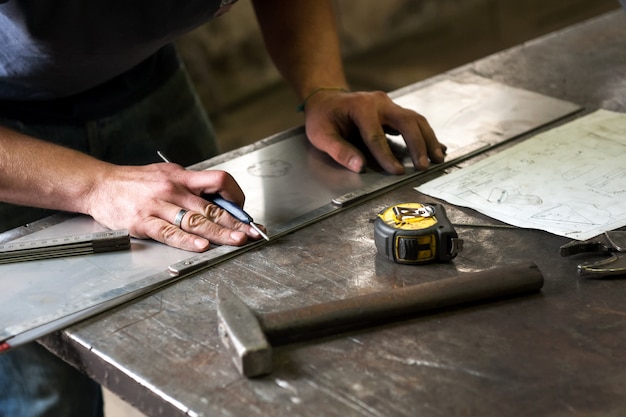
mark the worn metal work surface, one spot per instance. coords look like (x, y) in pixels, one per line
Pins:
(289, 184)
(557, 353)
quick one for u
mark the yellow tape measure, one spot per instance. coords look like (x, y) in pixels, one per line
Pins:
(415, 233)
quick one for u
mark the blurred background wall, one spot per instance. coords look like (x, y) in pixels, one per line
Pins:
(386, 45)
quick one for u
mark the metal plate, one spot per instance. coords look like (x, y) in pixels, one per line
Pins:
(288, 184)
(290, 179)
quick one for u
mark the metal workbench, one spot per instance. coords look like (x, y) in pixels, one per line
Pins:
(560, 352)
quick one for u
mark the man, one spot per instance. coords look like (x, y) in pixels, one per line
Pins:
(89, 91)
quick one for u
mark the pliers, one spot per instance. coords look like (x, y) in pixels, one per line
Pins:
(612, 244)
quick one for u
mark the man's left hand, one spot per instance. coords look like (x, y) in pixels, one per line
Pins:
(332, 115)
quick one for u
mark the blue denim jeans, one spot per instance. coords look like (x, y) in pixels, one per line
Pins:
(34, 382)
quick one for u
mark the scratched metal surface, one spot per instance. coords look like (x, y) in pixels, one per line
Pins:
(289, 183)
(557, 353)
(467, 112)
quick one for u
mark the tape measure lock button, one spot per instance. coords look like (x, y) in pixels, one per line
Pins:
(415, 233)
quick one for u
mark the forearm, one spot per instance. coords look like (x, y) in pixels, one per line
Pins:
(143, 199)
(40, 174)
(301, 37)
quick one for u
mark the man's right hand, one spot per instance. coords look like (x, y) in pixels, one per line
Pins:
(146, 200)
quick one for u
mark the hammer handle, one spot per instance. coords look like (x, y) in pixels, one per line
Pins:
(356, 312)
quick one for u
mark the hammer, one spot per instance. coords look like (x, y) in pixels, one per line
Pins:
(246, 334)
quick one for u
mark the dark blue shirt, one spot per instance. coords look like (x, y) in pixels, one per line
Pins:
(56, 49)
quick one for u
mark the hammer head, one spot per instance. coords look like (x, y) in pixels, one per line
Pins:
(242, 335)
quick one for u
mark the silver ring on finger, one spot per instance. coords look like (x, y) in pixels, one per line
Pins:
(179, 217)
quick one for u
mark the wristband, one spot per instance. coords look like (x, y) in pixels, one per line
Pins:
(300, 108)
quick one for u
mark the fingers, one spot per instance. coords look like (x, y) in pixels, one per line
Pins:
(419, 137)
(224, 186)
(348, 155)
(328, 140)
(213, 182)
(371, 113)
(368, 120)
(194, 231)
(164, 204)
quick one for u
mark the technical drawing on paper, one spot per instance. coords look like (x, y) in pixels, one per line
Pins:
(569, 180)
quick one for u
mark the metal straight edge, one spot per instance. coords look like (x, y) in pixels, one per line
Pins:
(386, 183)
(223, 253)
(47, 324)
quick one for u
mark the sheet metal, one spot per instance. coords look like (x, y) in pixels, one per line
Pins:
(288, 184)
(290, 179)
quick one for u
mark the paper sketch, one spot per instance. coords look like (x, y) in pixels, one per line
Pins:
(570, 181)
